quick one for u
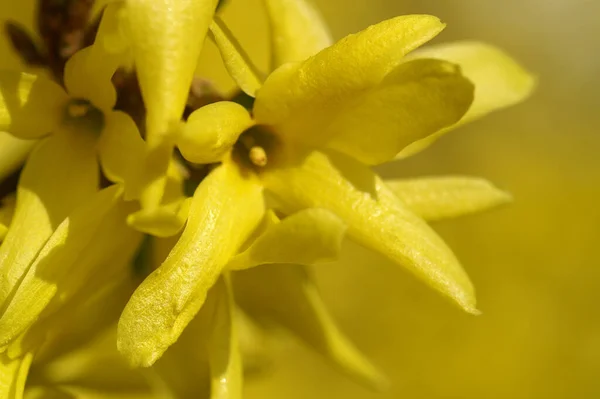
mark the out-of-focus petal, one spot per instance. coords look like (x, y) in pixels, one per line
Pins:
(375, 218)
(286, 294)
(60, 174)
(165, 221)
(30, 106)
(87, 77)
(297, 98)
(122, 153)
(211, 131)
(297, 31)
(437, 198)
(414, 101)
(226, 208)
(499, 81)
(223, 348)
(90, 241)
(166, 38)
(13, 152)
(307, 237)
(7, 210)
(238, 64)
(13, 373)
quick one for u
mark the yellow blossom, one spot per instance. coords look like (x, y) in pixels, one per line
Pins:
(314, 125)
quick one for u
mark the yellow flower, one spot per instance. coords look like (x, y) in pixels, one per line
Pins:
(301, 151)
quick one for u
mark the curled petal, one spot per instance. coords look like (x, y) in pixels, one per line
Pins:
(307, 237)
(375, 218)
(238, 64)
(60, 174)
(287, 295)
(166, 38)
(226, 207)
(297, 31)
(437, 198)
(211, 131)
(299, 98)
(499, 81)
(90, 241)
(415, 100)
(31, 106)
(13, 152)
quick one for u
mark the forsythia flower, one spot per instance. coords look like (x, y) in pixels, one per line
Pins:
(280, 183)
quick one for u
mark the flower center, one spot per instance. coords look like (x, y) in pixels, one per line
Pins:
(257, 143)
(80, 114)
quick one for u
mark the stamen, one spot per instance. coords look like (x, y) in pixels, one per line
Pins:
(77, 110)
(258, 156)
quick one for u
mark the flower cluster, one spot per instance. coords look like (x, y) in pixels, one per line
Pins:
(155, 215)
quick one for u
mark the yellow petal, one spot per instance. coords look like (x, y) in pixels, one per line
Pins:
(166, 221)
(60, 174)
(223, 348)
(226, 208)
(499, 81)
(287, 294)
(375, 218)
(437, 198)
(122, 153)
(87, 76)
(299, 97)
(30, 106)
(211, 131)
(90, 241)
(13, 374)
(307, 237)
(297, 31)
(415, 100)
(166, 38)
(238, 64)
(13, 152)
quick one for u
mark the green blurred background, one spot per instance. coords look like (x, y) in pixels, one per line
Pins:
(534, 263)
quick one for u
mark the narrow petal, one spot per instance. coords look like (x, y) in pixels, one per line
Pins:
(122, 153)
(287, 295)
(166, 38)
(297, 31)
(223, 348)
(238, 64)
(89, 242)
(375, 218)
(226, 208)
(7, 210)
(298, 98)
(31, 106)
(13, 373)
(60, 174)
(211, 131)
(13, 152)
(307, 237)
(417, 99)
(499, 81)
(437, 198)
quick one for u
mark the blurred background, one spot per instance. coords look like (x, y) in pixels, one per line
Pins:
(534, 263)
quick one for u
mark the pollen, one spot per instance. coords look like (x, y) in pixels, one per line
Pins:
(77, 110)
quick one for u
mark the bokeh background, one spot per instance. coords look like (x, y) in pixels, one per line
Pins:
(534, 263)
